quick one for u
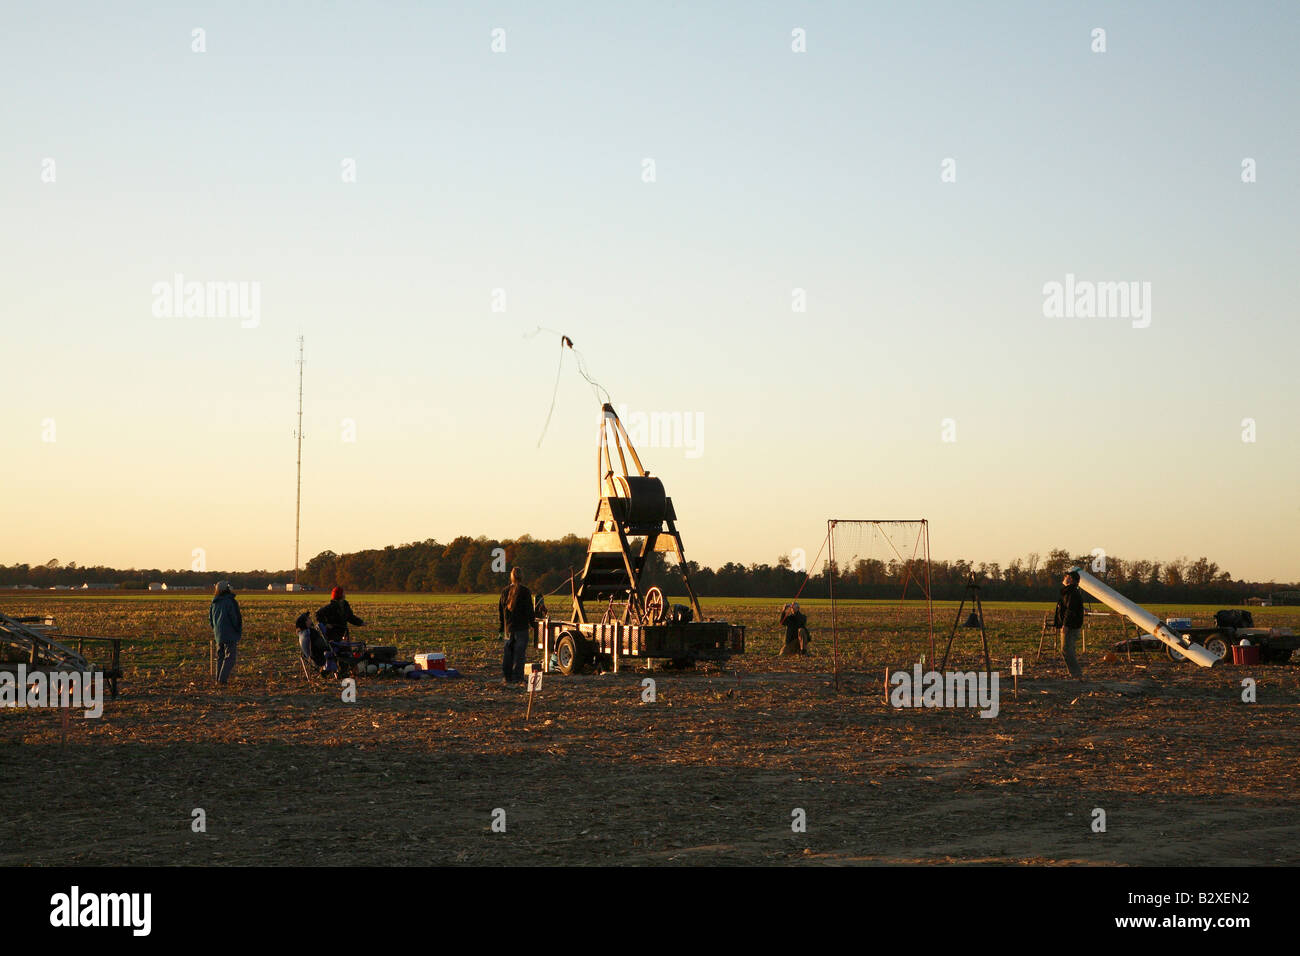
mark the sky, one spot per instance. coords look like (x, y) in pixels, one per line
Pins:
(824, 234)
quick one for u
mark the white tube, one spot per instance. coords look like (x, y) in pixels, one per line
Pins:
(1145, 620)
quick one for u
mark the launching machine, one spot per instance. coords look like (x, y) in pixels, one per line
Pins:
(629, 621)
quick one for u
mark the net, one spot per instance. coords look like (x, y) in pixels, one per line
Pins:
(878, 582)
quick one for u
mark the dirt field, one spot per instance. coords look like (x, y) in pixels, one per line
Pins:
(710, 773)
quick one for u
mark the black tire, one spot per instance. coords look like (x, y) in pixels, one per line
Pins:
(1220, 647)
(1178, 657)
(568, 656)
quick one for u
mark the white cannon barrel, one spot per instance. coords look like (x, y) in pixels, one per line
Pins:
(1144, 619)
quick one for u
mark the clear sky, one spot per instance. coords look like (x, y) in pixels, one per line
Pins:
(773, 170)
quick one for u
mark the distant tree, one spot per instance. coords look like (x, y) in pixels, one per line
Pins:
(1058, 562)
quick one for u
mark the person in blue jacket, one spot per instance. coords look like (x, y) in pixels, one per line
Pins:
(227, 629)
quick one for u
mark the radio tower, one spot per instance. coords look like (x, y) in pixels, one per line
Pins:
(297, 513)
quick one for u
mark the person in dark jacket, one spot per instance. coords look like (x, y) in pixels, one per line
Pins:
(795, 623)
(335, 617)
(515, 617)
(1069, 620)
(227, 628)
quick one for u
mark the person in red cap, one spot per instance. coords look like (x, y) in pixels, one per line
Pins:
(335, 617)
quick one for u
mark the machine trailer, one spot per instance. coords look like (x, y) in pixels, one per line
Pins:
(635, 519)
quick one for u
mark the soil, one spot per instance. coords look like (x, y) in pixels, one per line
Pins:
(714, 771)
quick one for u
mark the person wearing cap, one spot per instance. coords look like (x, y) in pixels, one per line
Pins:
(335, 617)
(795, 623)
(1069, 621)
(227, 628)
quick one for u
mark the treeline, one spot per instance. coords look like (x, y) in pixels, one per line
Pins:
(477, 565)
(54, 574)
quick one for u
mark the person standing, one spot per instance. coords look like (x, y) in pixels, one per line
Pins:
(1069, 621)
(335, 617)
(795, 623)
(227, 628)
(515, 616)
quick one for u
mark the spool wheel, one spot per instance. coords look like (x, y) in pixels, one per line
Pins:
(656, 606)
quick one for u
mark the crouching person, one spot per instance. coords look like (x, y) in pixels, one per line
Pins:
(795, 623)
(227, 628)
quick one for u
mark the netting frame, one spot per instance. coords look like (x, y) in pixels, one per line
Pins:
(923, 544)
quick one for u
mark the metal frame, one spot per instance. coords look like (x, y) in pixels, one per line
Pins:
(971, 594)
(616, 524)
(28, 634)
(633, 504)
(923, 537)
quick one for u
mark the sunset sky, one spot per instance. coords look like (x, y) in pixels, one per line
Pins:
(922, 379)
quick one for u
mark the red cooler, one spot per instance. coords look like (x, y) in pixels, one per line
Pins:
(1245, 655)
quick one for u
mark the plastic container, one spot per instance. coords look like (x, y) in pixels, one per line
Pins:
(1245, 654)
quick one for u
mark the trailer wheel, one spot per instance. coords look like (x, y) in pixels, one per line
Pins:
(1177, 656)
(567, 655)
(1219, 646)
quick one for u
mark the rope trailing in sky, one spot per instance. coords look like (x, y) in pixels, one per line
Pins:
(602, 395)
